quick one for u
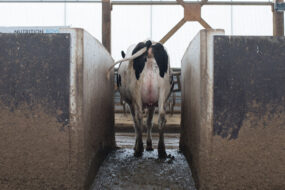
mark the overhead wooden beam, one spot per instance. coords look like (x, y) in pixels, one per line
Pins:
(106, 24)
(278, 21)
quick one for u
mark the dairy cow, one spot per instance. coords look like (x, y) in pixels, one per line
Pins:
(145, 82)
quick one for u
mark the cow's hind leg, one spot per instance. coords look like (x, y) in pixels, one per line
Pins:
(149, 127)
(138, 120)
(161, 125)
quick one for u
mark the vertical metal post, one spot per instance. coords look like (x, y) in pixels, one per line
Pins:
(232, 20)
(106, 24)
(151, 22)
(64, 21)
(278, 21)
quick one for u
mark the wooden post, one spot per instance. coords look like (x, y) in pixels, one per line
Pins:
(278, 22)
(106, 24)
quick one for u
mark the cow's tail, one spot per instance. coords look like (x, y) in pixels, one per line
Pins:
(137, 54)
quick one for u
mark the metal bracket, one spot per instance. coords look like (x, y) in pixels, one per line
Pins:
(192, 12)
(279, 7)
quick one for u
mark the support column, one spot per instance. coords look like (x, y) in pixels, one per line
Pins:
(278, 21)
(106, 24)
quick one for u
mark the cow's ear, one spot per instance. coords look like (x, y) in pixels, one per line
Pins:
(123, 54)
(161, 58)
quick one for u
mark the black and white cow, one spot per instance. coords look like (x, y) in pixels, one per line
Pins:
(145, 81)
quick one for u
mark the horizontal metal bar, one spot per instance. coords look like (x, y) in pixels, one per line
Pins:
(279, 7)
(249, 3)
(144, 3)
(50, 1)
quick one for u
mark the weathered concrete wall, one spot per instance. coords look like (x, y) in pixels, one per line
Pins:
(233, 111)
(54, 127)
(98, 109)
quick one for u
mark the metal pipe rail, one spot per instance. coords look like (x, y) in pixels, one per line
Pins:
(249, 3)
(50, 1)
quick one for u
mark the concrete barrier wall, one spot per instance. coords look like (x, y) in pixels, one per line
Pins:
(56, 110)
(233, 111)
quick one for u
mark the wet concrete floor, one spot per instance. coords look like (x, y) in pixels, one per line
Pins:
(127, 140)
(121, 170)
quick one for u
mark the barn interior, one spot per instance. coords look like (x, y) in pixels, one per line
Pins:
(63, 124)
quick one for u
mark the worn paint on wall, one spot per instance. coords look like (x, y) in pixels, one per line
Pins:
(247, 70)
(35, 71)
(233, 115)
(35, 136)
(56, 112)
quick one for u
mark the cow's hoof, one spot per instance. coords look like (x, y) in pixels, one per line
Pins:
(162, 154)
(138, 153)
(138, 149)
(149, 146)
(161, 150)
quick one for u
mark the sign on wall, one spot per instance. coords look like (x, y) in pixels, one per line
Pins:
(32, 30)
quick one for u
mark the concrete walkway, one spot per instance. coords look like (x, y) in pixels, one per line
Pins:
(121, 170)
